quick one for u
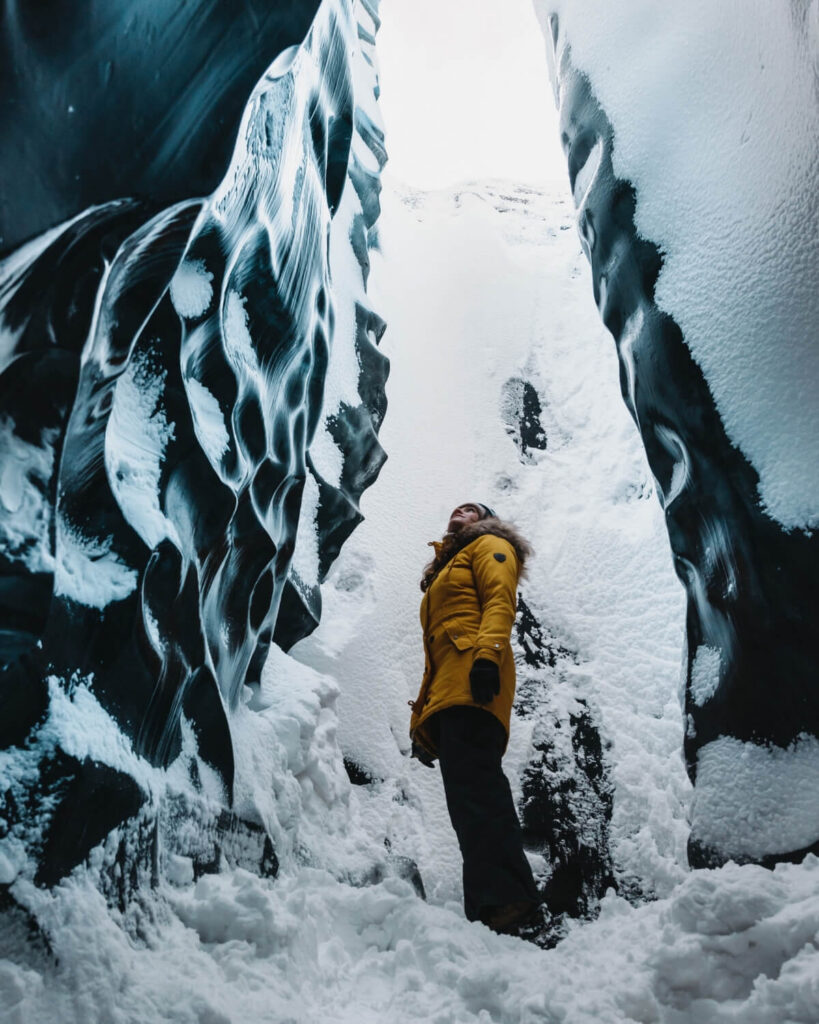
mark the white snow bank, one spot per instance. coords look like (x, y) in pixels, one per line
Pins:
(715, 109)
(289, 769)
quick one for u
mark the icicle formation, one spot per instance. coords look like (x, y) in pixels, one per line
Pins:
(164, 377)
(715, 334)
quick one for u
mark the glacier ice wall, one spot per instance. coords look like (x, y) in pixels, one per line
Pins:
(191, 391)
(125, 99)
(692, 137)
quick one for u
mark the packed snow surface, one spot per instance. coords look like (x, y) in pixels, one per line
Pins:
(88, 571)
(715, 109)
(481, 285)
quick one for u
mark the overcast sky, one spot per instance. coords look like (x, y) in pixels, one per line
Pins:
(465, 92)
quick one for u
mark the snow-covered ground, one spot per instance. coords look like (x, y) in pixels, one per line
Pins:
(481, 285)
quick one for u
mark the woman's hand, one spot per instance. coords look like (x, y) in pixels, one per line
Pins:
(484, 681)
(422, 755)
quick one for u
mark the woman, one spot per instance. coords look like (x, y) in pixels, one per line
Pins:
(461, 715)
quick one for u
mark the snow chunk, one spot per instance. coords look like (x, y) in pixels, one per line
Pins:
(233, 908)
(751, 801)
(88, 571)
(326, 455)
(238, 342)
(179, 870)
(191, 289)
(208, 421)
(25, 470)
(705, 674)
(305, 563)
(136, 437)
(739, 937)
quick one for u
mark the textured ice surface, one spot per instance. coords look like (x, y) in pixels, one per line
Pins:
(25, 470)
(90, 87)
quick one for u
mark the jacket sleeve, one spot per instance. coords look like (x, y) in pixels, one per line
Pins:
(495, 569)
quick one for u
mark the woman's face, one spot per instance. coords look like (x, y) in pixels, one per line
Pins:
(462, 516)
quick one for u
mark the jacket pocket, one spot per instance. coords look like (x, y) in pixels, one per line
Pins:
(459, 636)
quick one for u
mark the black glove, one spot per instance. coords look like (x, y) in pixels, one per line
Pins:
(422, 754)
(484, 681)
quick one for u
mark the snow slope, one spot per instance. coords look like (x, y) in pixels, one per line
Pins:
(492, 291)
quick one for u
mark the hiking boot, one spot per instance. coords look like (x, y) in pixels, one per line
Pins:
(542, 929)
(507, 918)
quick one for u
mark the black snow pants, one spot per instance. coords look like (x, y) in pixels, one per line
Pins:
(470, 745)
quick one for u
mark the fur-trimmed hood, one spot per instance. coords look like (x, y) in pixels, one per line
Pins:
(446, 549)
(497, 527)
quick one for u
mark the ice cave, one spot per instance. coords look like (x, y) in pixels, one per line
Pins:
(281, 283)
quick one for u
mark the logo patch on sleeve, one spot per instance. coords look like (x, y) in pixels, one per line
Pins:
(500, 556)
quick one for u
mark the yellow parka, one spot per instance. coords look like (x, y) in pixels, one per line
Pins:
(467, 613)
